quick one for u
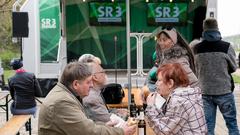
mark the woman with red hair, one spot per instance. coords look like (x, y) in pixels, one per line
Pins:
(182, 113)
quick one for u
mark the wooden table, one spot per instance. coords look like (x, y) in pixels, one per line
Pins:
(124, 103)
(139, 103)
(5, 94)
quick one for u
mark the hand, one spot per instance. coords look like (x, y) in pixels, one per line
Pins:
(129, 130)
(112, 123)
(122, 112)
(151, 99)
(144, 93)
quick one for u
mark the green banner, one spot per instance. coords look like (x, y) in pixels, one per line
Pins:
(160, 13)
(50, 32)
(101, 13)
(82, 37)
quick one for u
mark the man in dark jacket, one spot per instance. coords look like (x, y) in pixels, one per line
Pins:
(23, 89)
(215, 61)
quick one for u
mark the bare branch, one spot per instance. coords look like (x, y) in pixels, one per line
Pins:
(4, 3)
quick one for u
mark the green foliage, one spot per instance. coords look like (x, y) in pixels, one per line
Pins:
(6, 30)
(8, 50)
(6, 58)
(236, 78)
(8, 74)
(235, 41)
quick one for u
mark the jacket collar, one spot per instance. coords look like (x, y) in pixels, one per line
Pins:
(68, 90)
(175, 52)
(21, 70)
(212, 35)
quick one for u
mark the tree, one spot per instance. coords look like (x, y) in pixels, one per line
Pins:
(5, 24)
(4, 3)
(8, 50)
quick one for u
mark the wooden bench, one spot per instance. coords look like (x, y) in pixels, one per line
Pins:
(13, 126)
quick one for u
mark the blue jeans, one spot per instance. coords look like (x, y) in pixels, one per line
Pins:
(15, 111)
(226, 105)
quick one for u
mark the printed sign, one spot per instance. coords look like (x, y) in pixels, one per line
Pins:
(109, 13)
(159, 13)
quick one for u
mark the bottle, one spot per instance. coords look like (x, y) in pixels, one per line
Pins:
(146, 92)
(141, 123)
(133, 107)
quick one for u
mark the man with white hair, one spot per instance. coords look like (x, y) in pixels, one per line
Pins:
(94, 102)
(89, 58)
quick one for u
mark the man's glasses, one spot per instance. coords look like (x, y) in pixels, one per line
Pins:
(100, 72)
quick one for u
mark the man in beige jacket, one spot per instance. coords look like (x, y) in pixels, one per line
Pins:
(62, 112)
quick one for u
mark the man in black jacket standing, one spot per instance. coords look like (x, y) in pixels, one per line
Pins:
(215, 61)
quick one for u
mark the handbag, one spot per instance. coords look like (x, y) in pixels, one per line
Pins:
(113, 93)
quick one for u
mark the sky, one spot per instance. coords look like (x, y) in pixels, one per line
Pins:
(229, 17)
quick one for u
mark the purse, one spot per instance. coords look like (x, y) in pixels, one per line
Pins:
(113, 93)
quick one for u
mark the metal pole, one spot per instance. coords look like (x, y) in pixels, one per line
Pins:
(115, 48)
(6, 104)
(128, 51)
(21, 51)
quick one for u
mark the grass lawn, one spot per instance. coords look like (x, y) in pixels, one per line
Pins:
(7, 74)
(236, 78)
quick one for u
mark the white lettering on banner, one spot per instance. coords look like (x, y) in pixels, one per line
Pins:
(166, 19)
(47, 23)
(176, 12)
(108, 11)
(119, 11)
(165, 12)
(101, 11)
(114, 19)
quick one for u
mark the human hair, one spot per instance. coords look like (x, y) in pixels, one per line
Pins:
(210, 24)
(92, 66)
(86, 58)
(183, 43)
(175, 72)
(74, 71)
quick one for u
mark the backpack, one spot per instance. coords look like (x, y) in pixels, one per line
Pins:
(113, 93)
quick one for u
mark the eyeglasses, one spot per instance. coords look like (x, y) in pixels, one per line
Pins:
(100, 72)
(167, 28)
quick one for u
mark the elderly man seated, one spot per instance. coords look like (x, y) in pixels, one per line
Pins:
(94, 102)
